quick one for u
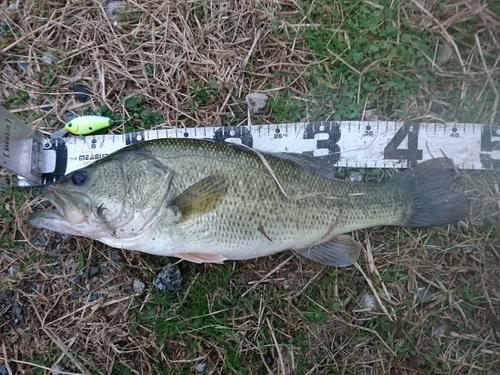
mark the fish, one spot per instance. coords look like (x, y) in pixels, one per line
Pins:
(208, 202)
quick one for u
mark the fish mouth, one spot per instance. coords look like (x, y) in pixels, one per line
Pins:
(70, 212)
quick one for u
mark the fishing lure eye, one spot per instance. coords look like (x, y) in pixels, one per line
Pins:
(79, 177)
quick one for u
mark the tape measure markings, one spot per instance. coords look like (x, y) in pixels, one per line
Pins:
(349, 143)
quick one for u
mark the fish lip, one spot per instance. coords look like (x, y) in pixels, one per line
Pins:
(60, 199)
(48, 192)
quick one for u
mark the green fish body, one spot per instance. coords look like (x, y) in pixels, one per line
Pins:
(208, 202)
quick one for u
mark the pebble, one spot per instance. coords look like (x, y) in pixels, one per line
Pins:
(431, 243)
(57, 370)
(367, 302)
(21, 66)
(13, 6)
(12, 368)
(82, 93)
(370, 115)
(169, 278)
(115, 255)
(443, 54)
(48, 57)
(39, 242)
(46, 106)
(471, 250)
(444, 329)
(94, 297)
(8, 71)
(93, 271)
(4, 25)
(425, 294)
(18, 312)
(257, 103)
(114, 9)
(355, 177)
(138, 286)
(201, 365)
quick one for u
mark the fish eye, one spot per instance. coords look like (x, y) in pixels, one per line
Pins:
(79, 177)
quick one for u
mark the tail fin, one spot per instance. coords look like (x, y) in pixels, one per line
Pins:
(433, 202)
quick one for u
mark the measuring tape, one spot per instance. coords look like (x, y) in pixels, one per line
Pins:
(357, 144)
(325, 144)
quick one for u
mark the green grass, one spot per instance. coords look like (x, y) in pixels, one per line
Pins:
(365, 59)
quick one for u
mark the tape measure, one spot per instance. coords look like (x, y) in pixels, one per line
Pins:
(358, 144)
(324, 144)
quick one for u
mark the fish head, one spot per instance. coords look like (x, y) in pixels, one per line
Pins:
(117, 197)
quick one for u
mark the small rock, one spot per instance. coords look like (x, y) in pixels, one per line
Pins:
(425, 294)
(444, 329)
(93, 271)
(114, 9)
(13, 6)
(55, 252)
(39, 242)
(431, 243)
(94, 297)
(69, 262)
(82, 93)
(74, 295)
(5, 27)
(201, 365)
(367, 302)
(57, 370)
(8, 71)
(443, 54)
(257, 103)
(471, 250)
(269, 358)
(129, 289)
(21, 66)
(355, 177)
(12, 368)
(369, 115)
(11, 270)
(48, 57)
(169, 278)
(18, 312)
(46, 106)
(115, 255)
(138, 286)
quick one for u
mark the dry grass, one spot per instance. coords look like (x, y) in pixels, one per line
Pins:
(194, 62)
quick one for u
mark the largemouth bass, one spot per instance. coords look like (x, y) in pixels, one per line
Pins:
(208, 202)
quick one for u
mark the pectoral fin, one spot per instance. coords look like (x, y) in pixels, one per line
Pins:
(202, 257)
(201, 198)
(340, 251)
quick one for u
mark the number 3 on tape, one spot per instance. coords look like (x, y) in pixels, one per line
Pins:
(412, 153)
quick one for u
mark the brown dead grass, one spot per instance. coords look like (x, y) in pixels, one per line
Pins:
(165, 51)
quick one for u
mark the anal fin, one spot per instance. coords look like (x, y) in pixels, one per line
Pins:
(340, 251)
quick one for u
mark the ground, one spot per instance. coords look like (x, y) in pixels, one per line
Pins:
(419, 301)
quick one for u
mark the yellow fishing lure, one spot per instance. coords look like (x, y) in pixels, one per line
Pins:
(84, 125)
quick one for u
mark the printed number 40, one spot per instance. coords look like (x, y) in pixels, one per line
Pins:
(412, 153)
